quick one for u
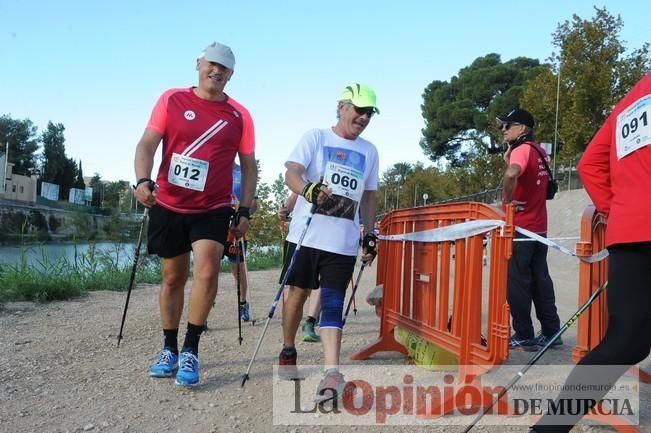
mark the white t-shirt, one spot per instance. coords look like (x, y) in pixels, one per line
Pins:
(348, 168)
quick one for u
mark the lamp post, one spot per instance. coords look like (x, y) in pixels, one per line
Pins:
(4, 174)
(558, 93)
(415, 194)
(385, 198)
(398, 198)
(425, 197)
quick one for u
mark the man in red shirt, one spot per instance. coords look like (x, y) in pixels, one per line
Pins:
(202, 130)
(615, 170)
(525, 186)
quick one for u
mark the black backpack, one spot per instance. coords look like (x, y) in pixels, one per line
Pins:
(552, 185)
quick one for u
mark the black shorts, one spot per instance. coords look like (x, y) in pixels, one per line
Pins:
(171, 234)
(316, 268)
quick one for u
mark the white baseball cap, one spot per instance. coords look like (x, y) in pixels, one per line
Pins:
(219, 53)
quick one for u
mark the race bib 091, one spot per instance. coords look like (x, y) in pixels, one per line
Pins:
(633, 128)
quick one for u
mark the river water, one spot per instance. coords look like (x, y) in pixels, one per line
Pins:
(36, 254)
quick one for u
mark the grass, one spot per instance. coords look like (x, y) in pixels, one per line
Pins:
(43, 280)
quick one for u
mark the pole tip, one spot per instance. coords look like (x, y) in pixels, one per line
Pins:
(245, 377)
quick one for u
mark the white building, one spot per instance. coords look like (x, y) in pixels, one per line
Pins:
(16, 186)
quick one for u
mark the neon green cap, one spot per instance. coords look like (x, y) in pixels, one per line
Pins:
(360, 95)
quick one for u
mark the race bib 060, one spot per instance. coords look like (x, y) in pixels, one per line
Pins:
(633, 128)
(188, 172)
(344, 172)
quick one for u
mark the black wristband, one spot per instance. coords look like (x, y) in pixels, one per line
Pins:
(150, 182)
(142, 180)
(244, 212)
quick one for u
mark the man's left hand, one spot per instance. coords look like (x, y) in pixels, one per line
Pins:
(369, 248)
(241, 222)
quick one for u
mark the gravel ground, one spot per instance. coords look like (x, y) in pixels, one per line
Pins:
(61, 371)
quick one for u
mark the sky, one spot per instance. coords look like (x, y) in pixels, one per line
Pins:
(99, 66)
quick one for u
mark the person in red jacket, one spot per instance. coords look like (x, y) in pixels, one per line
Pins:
(616, 172)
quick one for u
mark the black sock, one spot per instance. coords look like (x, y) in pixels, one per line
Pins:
(171, 336)
(191, 343)
(310, 319)
(289, 350)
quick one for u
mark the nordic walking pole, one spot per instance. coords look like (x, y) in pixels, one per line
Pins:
(239, 290)
(536, 356)
(354, 306)
(274, 304)
(246, 276)
(352, 295)
(136, 256)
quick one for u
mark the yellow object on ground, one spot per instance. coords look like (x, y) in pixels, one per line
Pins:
(425, 354)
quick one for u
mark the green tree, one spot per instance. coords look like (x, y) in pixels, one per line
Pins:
(97, 185)
(67, 178)
(56, 166)
(23, 143)
(53, 157)
(482, 171)
(113, 192)
(265, 228)
(595, 72)
(79, 181)
(463, 110)
(279, 191)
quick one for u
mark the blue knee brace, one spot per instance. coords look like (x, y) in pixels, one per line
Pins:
(332, 307)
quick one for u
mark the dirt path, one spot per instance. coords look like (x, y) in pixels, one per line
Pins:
(60, 370)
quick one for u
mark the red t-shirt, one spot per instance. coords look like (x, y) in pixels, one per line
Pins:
(531, 187)
(200, 141)
(620, 185)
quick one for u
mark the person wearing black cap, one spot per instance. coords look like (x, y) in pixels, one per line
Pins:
(525, 187)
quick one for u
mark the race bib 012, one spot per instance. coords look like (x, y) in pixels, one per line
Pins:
(188, 172)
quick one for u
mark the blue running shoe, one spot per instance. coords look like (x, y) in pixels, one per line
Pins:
(188, 374)
(244, 312)
(166, 365)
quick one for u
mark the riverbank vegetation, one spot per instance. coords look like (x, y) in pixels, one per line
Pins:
(42, 279)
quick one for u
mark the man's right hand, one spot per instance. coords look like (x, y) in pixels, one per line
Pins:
(145, 193)
(283, 213)
(316, 192)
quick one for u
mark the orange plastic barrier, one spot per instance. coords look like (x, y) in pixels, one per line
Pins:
(427, 283)
(591, 325)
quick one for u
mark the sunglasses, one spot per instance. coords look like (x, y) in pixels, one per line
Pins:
(369, 111)
(507, 126)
